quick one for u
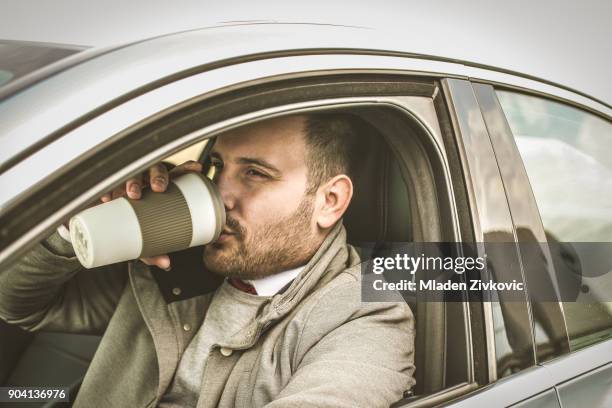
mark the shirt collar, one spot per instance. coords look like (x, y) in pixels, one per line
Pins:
(271, 285)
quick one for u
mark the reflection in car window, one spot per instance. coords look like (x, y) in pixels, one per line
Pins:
(567, 154)
(20, 58)
(5, 76)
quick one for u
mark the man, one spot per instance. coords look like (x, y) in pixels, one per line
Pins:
(286, 328)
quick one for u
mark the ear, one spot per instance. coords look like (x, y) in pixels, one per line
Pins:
(333, 199)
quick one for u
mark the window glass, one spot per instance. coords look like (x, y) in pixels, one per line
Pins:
(5, 76)
(20, 58)
(567, 154)
(191, 153)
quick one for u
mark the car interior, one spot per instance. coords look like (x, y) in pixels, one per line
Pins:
(399, 196)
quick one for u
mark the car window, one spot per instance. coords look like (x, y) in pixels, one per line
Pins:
(567, 154)
(374, 153)
(191, 153)
(20, 58)
(5, 76)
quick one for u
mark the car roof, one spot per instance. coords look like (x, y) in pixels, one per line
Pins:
(125, 71)
(247, 38)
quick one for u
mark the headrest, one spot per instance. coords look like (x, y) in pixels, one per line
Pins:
(379, 210)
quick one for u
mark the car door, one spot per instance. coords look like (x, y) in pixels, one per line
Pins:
(564, 157)
(550, 213)
(88, 150)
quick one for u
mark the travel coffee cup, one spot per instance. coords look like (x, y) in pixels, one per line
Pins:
(189, 213)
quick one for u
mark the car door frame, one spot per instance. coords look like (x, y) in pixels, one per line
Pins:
(145, 139)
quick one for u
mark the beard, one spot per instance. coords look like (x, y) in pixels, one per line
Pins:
(273, 248)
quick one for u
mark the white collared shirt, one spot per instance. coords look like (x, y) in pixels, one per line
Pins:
(271, 285)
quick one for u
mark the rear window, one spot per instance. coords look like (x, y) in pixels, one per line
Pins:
(568, 157)
(5, 76)
(18, 58)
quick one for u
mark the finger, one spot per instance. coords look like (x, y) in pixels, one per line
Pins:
(186, 167)
(118, 192)
(158, 177)
(134, 187)
(161, 261)
(106, 197)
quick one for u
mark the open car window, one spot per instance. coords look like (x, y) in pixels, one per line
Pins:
(401, 195)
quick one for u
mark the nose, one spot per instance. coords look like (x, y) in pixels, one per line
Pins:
(226, 190)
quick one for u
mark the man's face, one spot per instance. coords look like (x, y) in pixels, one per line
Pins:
(261, 174)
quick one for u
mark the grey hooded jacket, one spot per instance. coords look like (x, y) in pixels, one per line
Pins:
(313, 345)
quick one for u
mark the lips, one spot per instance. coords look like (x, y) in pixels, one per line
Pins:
(225, 234)
(231, 228)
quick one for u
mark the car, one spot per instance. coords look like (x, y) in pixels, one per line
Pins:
(456, 152)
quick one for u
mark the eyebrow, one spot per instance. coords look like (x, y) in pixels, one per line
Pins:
(250, 160)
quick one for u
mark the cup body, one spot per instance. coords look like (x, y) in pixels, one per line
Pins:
(189, 213)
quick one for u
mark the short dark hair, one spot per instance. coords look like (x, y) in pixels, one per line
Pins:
(329, 139)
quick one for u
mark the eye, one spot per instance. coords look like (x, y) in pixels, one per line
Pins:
(216, 163)
(256, 173)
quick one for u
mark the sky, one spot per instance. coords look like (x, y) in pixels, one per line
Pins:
(569, 42)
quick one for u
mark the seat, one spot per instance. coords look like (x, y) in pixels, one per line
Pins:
(44, 359)
(380, 213)
(380, 208)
